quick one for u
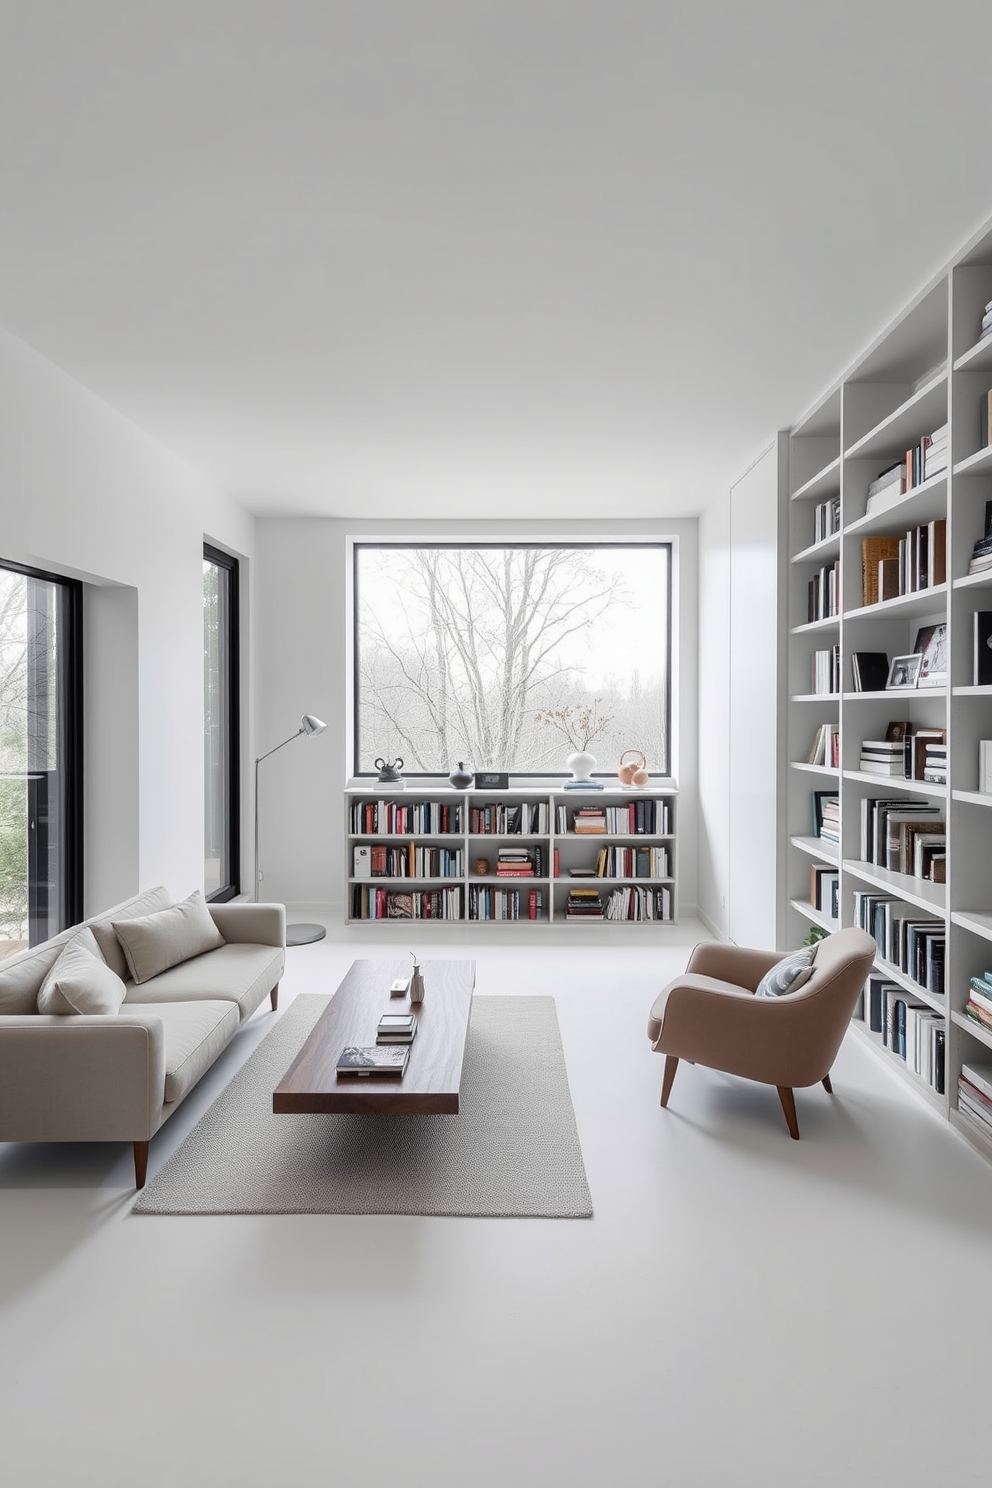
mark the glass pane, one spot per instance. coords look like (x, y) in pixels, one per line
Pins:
(217, 718)
(34, 773)
(512, 658)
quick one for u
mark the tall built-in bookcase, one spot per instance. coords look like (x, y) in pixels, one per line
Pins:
(930, 368)
(431, 853)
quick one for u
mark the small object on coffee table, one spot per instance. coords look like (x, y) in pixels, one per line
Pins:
(416, 981)
(396, 1028)
(372, 1059)
(400, 987)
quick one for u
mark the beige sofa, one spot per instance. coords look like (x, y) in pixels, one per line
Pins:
(117, 1076)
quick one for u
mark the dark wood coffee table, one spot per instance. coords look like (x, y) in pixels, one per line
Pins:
(429, 1085)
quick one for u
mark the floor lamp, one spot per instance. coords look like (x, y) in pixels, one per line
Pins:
(295, 934)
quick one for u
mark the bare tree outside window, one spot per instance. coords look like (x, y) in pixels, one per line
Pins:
(512, 657)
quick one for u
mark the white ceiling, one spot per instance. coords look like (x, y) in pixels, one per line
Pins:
(434, 257)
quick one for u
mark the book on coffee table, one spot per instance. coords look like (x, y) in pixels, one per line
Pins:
(396, 1028)
(373, 1059)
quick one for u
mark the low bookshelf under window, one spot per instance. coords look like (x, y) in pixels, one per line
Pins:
(529, 855)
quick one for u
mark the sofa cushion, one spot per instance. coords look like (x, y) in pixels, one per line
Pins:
(80, 981)
(195, 1033)
(21, 976)
(103, 925)
(155, 942)
(787, 975)
(240, 972)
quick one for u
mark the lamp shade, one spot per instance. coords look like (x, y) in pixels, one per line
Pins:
(311, 725)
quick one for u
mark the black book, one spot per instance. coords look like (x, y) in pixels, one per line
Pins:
(938, 1061)
(870, 669)
(983, 648)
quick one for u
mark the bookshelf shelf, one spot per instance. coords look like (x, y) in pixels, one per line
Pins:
(816, 915)
(918, 395)
(829, 622)
(642, 823)
(815, 769)
(817, 847)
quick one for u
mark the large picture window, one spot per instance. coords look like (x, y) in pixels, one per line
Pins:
(221, 789)
(41, 888)
(511, 657)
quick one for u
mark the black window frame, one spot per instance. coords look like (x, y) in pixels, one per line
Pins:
(70, 701)
(358, 544)
(232, 647)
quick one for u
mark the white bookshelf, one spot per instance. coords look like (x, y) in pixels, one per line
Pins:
(894, 395)
(642, 823)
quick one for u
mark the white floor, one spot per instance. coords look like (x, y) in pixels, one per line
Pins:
(742, 1309)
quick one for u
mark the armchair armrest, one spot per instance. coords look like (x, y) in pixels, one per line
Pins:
(81, 1079)
(250, 924)
(730, 963)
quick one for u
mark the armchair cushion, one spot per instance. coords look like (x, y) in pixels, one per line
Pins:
(787, 975)
(81, 982)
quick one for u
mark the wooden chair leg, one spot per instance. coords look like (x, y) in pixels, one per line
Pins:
(140, 1163)
(274, 997)
(788, 1100)
(827, 1085)
(671, 1065)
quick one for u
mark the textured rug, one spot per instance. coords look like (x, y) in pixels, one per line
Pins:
(512, 1151)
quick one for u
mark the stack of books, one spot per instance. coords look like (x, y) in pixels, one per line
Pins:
(584, 904)
(589, 819)
(887, 487)
(933, 457)
(515, 862)
(883, 757)
(396, 1028)
(979, 1005)
(975, 1096)
(935, 764)
(986, 321)
(830, 819)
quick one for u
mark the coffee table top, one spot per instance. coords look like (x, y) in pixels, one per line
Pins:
(431, 1081)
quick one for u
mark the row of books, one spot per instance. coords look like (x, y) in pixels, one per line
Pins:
(632, 862)
(825, 749)
(902, 834)
(368, 903)
(921, 462)
(508, 821)
(975, 1094)
(488, 903)
(826, 519)
(919, 755)
(913, 1031)
(892, 565)
(378, 860)
(630, 903)
(633, 818)
(824, 889)
(914, 943)
(384, 818)
(825, 671)
(823, 592)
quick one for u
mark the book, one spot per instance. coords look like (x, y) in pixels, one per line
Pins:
(873, 550)
(362, 861)
(870, 670)
(889, 579)
(980, 1076)
(372, 1059)
(982, 643)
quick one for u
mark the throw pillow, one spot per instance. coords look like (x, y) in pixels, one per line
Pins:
(81, 981)
(111, 949)
(787, 975)
(155, 942)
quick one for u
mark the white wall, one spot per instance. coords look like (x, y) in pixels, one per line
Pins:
(85, 493)
(714, 715)
(302, 665)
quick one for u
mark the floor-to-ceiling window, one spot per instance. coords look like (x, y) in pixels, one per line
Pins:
(40, 755)
(220, 725)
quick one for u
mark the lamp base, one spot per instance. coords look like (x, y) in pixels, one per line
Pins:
(304, 934)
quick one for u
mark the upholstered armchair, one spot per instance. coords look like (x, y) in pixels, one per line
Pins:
(709, 1015)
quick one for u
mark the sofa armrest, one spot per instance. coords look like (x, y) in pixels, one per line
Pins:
(81, 1079)
(730, 963)
(250, 924)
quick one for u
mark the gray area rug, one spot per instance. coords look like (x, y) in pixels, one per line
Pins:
(512, 1151)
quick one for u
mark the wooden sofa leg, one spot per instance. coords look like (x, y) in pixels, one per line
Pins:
(788, 1100)
(140, 1163)
(671, 1065)
(274, 997)
(827, 1085)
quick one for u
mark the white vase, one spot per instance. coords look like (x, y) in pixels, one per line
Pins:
(581, 765)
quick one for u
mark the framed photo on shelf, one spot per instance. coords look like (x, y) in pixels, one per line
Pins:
(931, 643)
(904, 672)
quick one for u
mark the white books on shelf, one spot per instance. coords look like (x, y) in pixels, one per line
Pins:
(985, 766)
